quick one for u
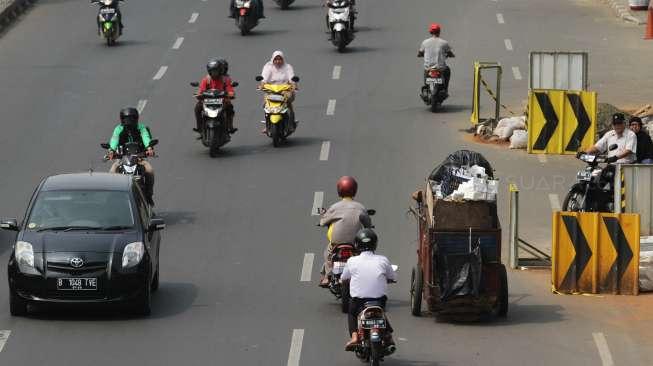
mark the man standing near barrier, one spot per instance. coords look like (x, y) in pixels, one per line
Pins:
(644, 143)
(625, 139)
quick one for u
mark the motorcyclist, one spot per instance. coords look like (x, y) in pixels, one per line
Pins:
(344, 219)
(217, 78)
(435, 51)
(625, 139)
(369, 274)
(278, 71)
(352, 7)
(130, 130)
(257, 6)
(644, 143)
(114, 5)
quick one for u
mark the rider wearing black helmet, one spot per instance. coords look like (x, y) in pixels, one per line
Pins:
(217, 78)
(369, 274)
(130, 130)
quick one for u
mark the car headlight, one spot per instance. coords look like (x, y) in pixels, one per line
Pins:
(132, 254)
(24, 254)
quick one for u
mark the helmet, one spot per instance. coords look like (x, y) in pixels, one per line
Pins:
(217, 67)
(347, 186)
(129, 117)
(366, 240)
(434, 28)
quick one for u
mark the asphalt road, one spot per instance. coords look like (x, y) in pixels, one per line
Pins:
(239, 226)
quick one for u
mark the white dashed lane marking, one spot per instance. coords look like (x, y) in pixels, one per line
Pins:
(193, 17)
(159, 74)
(324, 151)
(508, 43)
(141, 105)
(307, 267)
(500, 18)
(516, 73)
(318, 198)
(4, 336)
(336, 72)
(178, 43)
(295, 347)
(604, 350)
(331, 107)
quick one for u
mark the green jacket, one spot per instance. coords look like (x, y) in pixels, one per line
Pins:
(120, 138)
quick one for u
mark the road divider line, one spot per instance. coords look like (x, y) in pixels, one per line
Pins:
(193, 17)
(324, 151)
(542, 158)
(178, 43)
(318, 198)
(159, 74)
(331, 107)
(508, 43)
(307, 267)
(295, 347)
(500, 18)
(604, 350)
(516, 73)
(555, 201)
(141, 105)
(4, 336)
(336, 72)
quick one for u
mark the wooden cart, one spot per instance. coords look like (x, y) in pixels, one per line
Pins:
(448, 228)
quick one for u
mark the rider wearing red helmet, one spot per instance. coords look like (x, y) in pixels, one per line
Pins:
(344, 219)
(435, 51)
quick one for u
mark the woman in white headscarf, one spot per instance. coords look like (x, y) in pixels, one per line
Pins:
(278, 71)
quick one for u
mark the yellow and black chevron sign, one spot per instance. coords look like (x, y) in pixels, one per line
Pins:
(561, 121)
(595, 253)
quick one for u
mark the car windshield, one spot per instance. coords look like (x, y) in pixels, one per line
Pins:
(70, 210)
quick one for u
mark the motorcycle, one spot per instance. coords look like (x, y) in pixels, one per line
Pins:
(108, 20)
(284, 4)
(129, 155)
(340, 21)
(434, 92)
(594, 190)
(246, 20)
(214, 133)
(279, 119)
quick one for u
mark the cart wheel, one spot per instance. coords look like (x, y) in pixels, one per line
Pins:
(416, 288)
(502, 300)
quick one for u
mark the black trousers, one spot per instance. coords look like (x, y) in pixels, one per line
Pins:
(356, 305)
(446, 72)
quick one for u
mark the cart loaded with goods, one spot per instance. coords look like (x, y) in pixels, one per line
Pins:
(459, 274)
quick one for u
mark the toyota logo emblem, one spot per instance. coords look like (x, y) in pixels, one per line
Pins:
(76, 262)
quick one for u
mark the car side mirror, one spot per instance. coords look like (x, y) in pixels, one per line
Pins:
(9, 224)
(235, 83)
(371, 212)
(157, 224)
(194, 83)
(153, 142)
(259, 78)
(105, 145)
(613, 147)
(295, 78)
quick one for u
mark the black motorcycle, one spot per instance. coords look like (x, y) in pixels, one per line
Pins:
(594, 190)
(129, 155)
(372, 325)
(434, 92)
(246, 19)
(214, 130)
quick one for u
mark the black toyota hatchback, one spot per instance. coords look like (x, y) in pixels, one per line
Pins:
(86, 238)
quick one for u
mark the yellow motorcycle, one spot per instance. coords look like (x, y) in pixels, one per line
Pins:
(279, 119)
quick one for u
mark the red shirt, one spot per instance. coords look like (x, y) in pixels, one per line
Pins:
(224, 83)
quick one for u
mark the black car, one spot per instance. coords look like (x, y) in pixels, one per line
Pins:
(86, 238)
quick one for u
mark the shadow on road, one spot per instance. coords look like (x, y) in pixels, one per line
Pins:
(301, 141)
(263, 32)
(298, 7)
(394, 361)
(177, 217)
(361, 49)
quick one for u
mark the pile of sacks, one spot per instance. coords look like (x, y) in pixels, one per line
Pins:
(477, 186)
(513, 129)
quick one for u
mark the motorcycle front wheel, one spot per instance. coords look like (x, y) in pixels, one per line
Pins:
(574, 199)
(275, 134)
(243, 25)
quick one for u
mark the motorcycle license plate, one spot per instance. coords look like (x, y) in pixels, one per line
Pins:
(372, 323)
(77, 284)
(107, 11)
(338, 267)
(435, 80)
(213, 101)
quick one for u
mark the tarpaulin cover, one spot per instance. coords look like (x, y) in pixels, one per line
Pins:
(460, 275)
(443, 173)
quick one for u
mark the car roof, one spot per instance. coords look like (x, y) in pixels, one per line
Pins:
(87, 181)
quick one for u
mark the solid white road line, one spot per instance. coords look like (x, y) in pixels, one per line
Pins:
(500, 18)
(317, 203)
(542, 158)
(4, 336)
(193, 17)
(159, 74)
(508, 43)
(336, 72)
(178, 43)
(295, 347)
(555, 201)
(331, 107)
(604, 351)
(307, 267)
(324, 151)
(141, 105)
(516, 73)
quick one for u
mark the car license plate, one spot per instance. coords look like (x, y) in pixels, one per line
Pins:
(77, 284)
(435, 80)
(373, 323)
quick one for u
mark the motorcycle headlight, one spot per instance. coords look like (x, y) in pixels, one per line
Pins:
(24, 254)
(132, 254)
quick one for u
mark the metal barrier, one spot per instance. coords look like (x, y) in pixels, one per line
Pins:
(562, 70)
(595, 252)
(540, 259)
(561, 121)
(632, 193)
(476, 97)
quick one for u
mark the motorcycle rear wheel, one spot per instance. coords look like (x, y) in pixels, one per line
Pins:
(375, 354)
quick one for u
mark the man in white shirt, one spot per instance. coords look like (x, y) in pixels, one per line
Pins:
(369, 275)
(625, 139)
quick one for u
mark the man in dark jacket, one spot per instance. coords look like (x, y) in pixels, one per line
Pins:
(644, 143)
